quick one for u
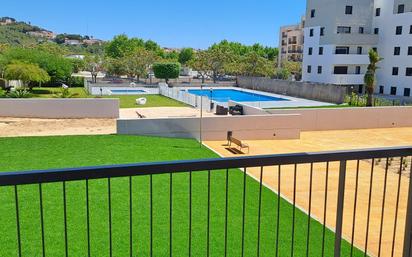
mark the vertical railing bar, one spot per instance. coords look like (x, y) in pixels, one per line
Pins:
(325, 208)
(310, 209)
(131, 216)
(383, 206)
(294, 210)
(208, 213)
(190, 214)
(278, 213)
(88, 218)
(244, 210)
(369, 209)
(397, 208)
(407, 246)
(66, 248)
(42, 220)
(171, 215)
(355, 205)
(109, 198)
(16, 199)
(151, 215)
(340, 206)
(226, 208)
(259, 210)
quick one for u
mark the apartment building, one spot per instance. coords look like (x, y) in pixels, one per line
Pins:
(340, 33)
(291, 42)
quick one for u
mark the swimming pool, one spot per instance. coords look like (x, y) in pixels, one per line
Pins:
(126, 91)
(226, 95)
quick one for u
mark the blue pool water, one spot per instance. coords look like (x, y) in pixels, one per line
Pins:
(126, 91)
(224, 95)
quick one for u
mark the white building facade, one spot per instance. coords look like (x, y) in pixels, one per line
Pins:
(339, 34)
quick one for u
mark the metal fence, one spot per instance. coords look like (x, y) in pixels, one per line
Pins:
(306, 237)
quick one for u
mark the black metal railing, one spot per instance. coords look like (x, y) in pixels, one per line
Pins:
(237, 225)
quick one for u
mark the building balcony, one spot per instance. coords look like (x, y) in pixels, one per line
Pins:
(347, 79)
(350, 39)
(350, 59)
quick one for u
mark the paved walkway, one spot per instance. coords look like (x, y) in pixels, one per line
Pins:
(338, 140)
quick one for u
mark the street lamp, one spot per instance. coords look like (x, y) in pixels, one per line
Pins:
(201, 115)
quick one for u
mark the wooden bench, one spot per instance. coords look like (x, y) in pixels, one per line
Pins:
(239, 143)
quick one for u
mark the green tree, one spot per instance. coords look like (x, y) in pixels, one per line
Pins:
(115, 66)
(166, 71)
(186, 55)
(138, 63)
(256, 66)
(220, 60)
(294, 68)
(370, 75)
(121, 46)
(26, 72)
(200, 63)
(94, 64)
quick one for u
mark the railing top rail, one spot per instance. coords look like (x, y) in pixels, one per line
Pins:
(72, 174)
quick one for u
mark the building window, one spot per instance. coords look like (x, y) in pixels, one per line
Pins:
(395, 71)
(376, 31)
(393, 90)
(319, 69)
(360, 50)
(322, 31)
(409, 72)
(358, 70)
(342, 50)
(375, 49)
(361, 30)
(381, 90)
(410, 29)
(321, 50)
(348, 9)
(401, 8)
(344, 30)
(311, 33)
(378, 12)
(309, 69)
(340, 70)
(397, 51)
(399, 30)
(406, 92)
(410, 50)
(312, 13)
(310, 50)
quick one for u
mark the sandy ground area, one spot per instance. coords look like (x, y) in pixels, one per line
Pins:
(13, 127)
(162, 112)
(338, 140)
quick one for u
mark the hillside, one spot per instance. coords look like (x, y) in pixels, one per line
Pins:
(15, 34)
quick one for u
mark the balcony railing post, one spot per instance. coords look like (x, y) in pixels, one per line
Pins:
(339, 210)
(407, 251)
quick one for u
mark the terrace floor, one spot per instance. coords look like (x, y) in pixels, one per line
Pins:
(342, 140)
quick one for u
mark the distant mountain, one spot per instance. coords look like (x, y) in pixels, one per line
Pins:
(21, 33)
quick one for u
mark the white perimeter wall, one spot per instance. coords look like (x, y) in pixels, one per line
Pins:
(216, 128)
(59, 108)
(351, 118)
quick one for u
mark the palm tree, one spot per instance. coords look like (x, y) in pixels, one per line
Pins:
(370, 75)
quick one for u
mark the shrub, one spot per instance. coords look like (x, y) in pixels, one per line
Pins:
(65, 93)
(2, 92)
(166, 70)
(75, 82)
(19, 93)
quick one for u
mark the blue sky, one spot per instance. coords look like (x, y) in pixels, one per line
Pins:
(172, 23)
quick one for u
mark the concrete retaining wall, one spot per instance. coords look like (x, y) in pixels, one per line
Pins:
(313, 91)
(59, 108)
(216, 128)
(351, 118)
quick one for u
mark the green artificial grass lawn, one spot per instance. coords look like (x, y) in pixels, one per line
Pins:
(75, 151)
(126, 101)
(129, 101)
